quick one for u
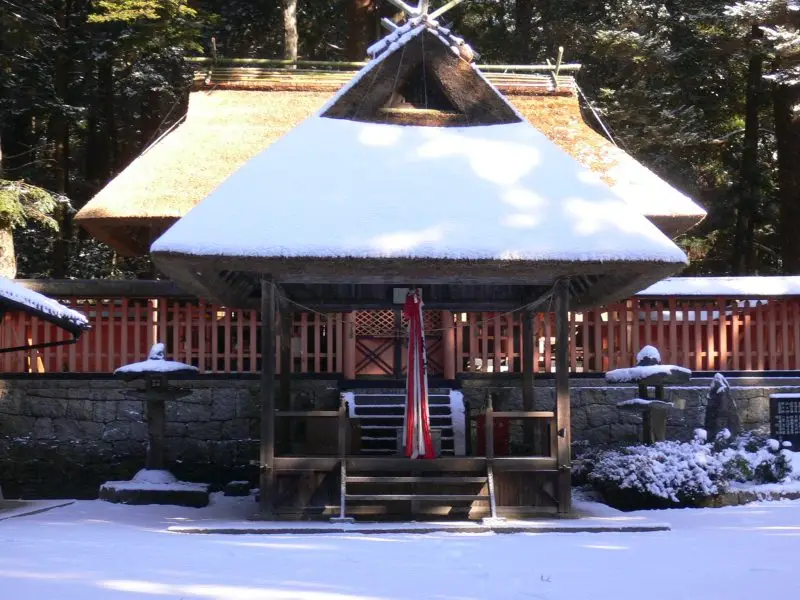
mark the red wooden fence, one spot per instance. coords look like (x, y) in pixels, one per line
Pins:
(702, 334)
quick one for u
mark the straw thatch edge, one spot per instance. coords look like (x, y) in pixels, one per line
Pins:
(209, 276)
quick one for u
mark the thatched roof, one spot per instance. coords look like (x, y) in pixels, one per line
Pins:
(222, 131)
(239, 109)
(492, 202)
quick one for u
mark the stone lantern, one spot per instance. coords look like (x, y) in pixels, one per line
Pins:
(650, 373)
(154, 484)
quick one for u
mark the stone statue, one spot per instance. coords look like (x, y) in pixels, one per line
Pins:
(721, 410)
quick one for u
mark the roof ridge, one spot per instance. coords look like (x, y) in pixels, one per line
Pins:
(412, 28)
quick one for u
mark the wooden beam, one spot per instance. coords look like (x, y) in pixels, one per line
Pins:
(449, 464)
(268, 488)
(95, 288)
(564, 484)
(348, 304)
(291, 277)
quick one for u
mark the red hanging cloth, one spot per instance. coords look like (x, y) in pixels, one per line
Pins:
(416, 426)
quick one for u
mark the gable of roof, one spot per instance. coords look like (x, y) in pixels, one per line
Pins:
(420, 67)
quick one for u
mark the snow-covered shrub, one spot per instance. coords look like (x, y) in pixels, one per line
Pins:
(583, 462)
(672, 474)
(753, 457)
(665, 474)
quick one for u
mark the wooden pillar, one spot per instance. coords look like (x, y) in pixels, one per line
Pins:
(349, 346)
(286, 319)
(449, 345)
(531, 438)
(563, 488)
(267, 492)
(398, 346)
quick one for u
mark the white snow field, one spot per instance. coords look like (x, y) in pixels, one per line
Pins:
(99, 551)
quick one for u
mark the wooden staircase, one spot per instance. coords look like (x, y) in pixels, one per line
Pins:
(388, 485)
(379, 412)
(403, 487)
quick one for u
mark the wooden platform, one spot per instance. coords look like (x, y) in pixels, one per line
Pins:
(441, 465)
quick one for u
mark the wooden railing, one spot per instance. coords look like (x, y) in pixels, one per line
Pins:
(704, 335)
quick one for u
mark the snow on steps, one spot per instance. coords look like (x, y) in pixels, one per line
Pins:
(380, 413)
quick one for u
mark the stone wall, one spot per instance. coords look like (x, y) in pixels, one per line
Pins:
(64, 437)
(597, 420)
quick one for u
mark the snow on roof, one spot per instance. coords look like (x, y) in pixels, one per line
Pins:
(751, 286)
(648, 193)
(485, 192)
(20, 297)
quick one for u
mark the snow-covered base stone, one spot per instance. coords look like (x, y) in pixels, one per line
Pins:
(643, 403)
(155, 487)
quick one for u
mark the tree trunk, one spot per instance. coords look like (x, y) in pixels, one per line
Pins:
(105, 74)
(749, 174)
(8, 258)
(290, 29)
(59, 125)
(523, 21)
(787, 134)
(360, 28)
(149, 118)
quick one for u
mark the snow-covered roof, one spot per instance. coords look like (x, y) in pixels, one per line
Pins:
(489, 192)
(13, 296)
(743, 287)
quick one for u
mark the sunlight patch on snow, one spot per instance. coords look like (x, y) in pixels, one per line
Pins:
(524, 199)
(226, 592)
(374, 135)
(593, 217)
(605, 547)
(50, 575)
(277, 545)
(405, 241)
(521, 221)
(503, 163)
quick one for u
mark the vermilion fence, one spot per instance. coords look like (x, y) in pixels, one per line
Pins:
(702, 334)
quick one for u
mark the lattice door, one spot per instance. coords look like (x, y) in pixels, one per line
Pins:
(382, 338)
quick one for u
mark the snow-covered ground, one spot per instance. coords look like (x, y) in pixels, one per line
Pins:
(99, 551)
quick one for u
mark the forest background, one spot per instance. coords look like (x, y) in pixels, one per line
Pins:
(706, 93)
